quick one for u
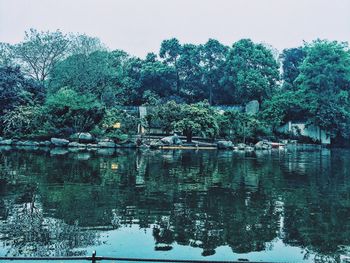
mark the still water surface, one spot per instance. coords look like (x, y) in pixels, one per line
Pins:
(286, 206)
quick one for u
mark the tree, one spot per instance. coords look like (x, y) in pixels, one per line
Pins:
(325, 79)
(197, 119)
(239, 127)
(84, 73)
(170, 51)
(71, 112)
(16, 90)
(40, 51)
(23, 121)
(292, 58)
(83, 44)
(165, 115)
(251, 72)
(158, 78)
(213, 55)
(191, 74)
(6, 56)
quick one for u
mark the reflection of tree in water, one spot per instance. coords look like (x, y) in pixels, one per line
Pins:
(26, 230)
(201, 199)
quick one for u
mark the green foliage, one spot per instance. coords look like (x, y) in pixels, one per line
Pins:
(164, 116)
(213, 55)
(325, 80)
(197, 119)
(40, 51)
(292, 58)
(23, 121)
(285, 106)
(239, 127)
(251, 72)
(86, 82)
(129, 122)
(71, 112)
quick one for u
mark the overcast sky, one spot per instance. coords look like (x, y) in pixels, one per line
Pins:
(138, 26)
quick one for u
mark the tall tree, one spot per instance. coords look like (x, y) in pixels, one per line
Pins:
(325, 80)
(292, 58)
(191, 74)
(251, 72)
(170, 51)
(40, 51)
(213, 58)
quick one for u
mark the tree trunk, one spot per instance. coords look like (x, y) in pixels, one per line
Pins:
(189, 136)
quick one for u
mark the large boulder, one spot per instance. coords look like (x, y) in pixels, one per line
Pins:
(85, 137)
(171, 140)
(252, 107)
(6, 142)
(262, 145)
(224, 145)
(59, 142)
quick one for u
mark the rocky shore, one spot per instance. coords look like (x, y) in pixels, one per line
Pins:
(86, 142)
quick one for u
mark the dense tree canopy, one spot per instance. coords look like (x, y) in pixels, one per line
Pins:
(312, 84)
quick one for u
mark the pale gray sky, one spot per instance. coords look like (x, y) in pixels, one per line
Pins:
(138, 26)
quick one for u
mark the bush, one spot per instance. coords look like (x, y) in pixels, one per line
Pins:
(70, 112)
(24, 121)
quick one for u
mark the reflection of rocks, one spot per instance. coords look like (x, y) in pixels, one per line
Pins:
(6, 142)
(83, 156)
(106, 151)
(106, 144)
(77, 145)
(59, 142)
(27, 143)
(58, 151)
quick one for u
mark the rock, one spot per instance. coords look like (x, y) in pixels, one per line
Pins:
(262, 145)
(224, 145)
(106, 144)
(252, 107)
(45, 143)
(241, 146)
(84, 137)
(249, 149)
(155, 144)
(171, 140)
(76, 144)
(6, 142)
(59, 142)
(27, 143)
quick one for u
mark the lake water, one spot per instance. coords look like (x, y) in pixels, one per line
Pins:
(288, 206)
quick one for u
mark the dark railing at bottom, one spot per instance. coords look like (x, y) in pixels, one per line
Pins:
(95, 258)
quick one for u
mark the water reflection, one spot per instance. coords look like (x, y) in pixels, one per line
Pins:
(61, 204)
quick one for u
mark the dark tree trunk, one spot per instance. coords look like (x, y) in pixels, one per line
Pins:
(189, 136)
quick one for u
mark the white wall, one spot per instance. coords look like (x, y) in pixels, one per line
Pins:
(310, 131)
